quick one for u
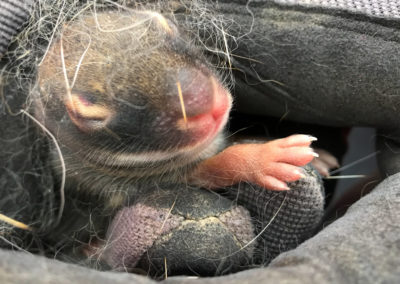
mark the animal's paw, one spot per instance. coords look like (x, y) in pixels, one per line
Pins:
(270, 165)
(273, 164)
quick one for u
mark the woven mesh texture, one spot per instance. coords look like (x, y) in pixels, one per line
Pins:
(13, 14)
(375, 8)
(282, 219)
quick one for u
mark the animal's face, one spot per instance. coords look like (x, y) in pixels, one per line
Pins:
(127, 89)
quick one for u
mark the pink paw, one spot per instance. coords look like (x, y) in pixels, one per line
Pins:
(280, 160)
(270, 165)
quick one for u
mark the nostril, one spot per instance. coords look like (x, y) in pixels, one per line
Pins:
(196, 92)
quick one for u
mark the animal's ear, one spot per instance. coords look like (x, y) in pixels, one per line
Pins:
(86, 115)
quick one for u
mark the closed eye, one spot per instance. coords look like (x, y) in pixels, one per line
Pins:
(85, 114)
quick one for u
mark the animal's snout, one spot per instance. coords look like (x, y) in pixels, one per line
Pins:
(200, 99)
(203, 102)
(195, 92)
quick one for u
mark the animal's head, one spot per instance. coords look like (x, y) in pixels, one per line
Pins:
(130, 89)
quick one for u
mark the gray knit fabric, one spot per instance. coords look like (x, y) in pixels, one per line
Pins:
(13, 14)
(375, 8)
(279, 220)
(361, 247)
(282, 219)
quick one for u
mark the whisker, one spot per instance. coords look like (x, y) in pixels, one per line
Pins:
(14, 223)
(178, 85)
(345, 177)
(356, 162)
(247, 58)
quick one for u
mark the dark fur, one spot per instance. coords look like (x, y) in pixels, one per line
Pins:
(134, 72)
(131, 72)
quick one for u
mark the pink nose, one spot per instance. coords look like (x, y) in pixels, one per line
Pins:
(196, 92)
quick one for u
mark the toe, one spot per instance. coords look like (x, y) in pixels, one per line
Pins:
(295, 141)
(298, 156)
(272, 183)
(284, 172)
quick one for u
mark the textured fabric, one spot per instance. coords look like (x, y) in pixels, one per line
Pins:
(376, 8)
(317, 67)
(361, 247)
(192, 229)
(283, 219)
(13, 14)
(153, 230)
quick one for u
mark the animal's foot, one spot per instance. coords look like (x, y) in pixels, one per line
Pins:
(280, 161)
(270, 165)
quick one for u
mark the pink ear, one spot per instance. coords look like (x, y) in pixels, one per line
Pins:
(85, 115)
